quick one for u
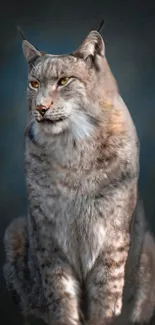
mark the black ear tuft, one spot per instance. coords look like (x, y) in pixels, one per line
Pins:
(100, 26)
(21, 33)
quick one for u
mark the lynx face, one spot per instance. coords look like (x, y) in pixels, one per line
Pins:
(57, 92)
(64, 91)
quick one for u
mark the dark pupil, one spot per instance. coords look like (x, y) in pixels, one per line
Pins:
(62, 81)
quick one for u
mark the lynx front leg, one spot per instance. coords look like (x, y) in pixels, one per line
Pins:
(61, 289)
(104, 286)
(61, 292)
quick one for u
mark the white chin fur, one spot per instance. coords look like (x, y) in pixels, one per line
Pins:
(57, 128)
(77, 124)
(43, 133)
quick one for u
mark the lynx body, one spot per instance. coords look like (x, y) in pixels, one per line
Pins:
(67, 259)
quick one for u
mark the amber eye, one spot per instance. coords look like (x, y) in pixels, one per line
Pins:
(34, 84)
(63, 81)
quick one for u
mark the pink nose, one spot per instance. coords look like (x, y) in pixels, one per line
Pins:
(42, 109)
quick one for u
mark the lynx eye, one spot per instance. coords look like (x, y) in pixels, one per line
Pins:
(63, 81)
(34, 84)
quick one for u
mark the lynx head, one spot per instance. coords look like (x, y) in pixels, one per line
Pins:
(65, 92)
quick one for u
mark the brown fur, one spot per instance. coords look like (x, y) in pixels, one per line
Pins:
(83, 237)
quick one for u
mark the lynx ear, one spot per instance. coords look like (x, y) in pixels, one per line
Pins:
(92, 46)
(30, 52)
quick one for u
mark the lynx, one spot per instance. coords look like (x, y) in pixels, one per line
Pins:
(83, 254)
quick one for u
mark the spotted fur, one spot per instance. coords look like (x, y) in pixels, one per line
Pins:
(67, 261)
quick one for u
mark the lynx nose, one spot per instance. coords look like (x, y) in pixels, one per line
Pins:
(42, 109)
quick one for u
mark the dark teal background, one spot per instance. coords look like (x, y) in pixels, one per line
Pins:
(58, 27)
